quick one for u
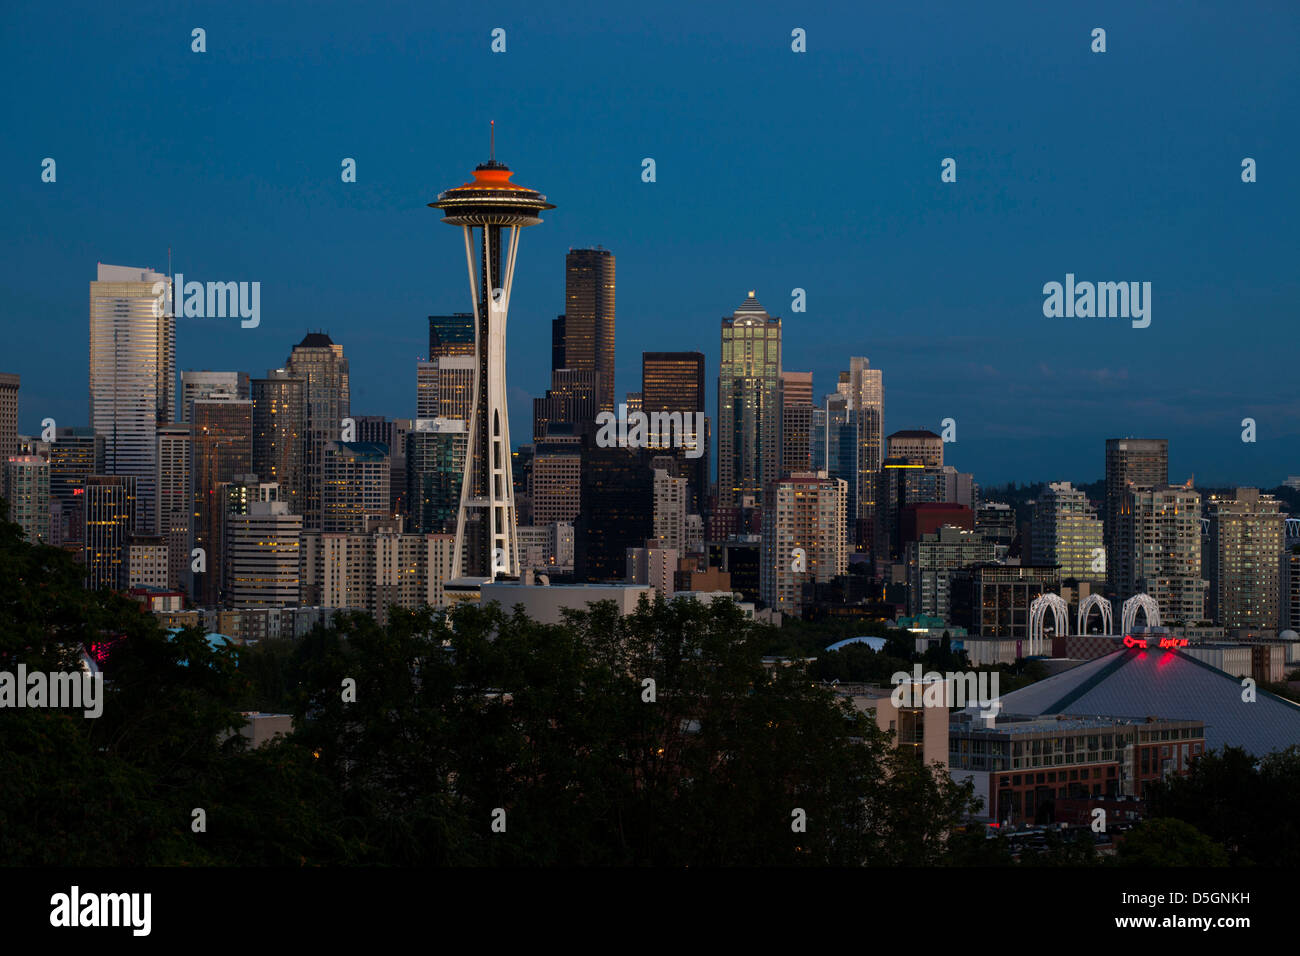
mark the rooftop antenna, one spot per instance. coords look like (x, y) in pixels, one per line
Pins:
(492, 152)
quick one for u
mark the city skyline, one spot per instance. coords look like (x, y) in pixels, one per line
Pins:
(945, 291)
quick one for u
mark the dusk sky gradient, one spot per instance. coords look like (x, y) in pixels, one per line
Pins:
(775, 170)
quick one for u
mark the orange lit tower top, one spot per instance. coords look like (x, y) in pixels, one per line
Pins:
(486, 541)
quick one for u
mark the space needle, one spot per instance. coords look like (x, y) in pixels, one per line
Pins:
(490, 203)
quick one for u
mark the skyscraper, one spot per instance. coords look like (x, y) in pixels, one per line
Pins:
(749, 404)
(485, 528)
(804, 537)
(1243, 557)
(356, 485)
(435, 468)
(319, 362)
(1129, 462)
(279, 430)
(222, 451)
(8, 415)
(201, 384)
(674, 382)
(176, 499)
(263, 547)
(132, 374)
(796, 422)
(1160, 536)
(451, 335)
(75, 454)
(866, 394)
(27, 492)
(589, 317)
(1066, 531)
(109, 516)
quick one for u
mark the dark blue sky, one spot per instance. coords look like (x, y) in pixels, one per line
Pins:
(775, 170)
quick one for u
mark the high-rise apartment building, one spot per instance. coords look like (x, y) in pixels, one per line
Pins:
(1130, 462)
(749, 404)
(1066, 531)
(356, 485)
(1243, 556)
(865, 390)
(444, 387)
(27, 492)
(796, 422)
(1160, 539)
(589, 317)
(669, 511)
(319, 361)
(132, 375)
(934, 558)
(8, 415)
(805, 538)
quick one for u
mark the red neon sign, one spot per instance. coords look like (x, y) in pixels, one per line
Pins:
(1131, 641)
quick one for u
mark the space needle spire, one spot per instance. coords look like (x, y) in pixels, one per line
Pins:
(486, 535)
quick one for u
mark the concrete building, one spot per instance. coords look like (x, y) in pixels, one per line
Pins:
(320, 362)
(805, 537)
(655, 566)
(545, 603)
(1067, 532)
(376, 569)
(26, 490)
(915, 727)
(356, 485)
(1160, 546)
(9, 383)
(1130, 462)
(933, 559)
(1025, 768)
(148, 562)
(263, 555)
(670, 498)
(1243, 559)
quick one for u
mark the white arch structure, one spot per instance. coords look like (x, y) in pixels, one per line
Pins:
(1038, 611)
(1149, 607)
(1107, 613)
